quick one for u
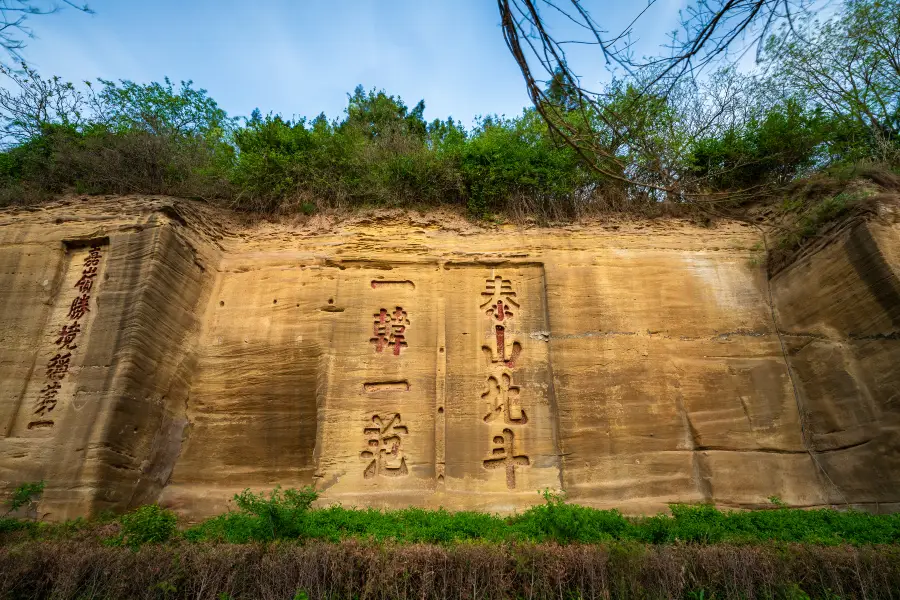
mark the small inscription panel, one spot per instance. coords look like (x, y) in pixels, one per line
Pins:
(74, 309)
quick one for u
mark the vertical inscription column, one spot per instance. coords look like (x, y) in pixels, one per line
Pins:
(53, 382)
(500, 424)
(385, 434)
(501, 396)
(377, 415)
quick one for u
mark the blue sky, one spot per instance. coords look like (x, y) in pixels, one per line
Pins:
(300, 58)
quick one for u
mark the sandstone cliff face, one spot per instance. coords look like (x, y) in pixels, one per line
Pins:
(157, 350)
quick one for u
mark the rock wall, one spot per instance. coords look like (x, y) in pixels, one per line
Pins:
(400, 359)
(839, 310)
(110, 433)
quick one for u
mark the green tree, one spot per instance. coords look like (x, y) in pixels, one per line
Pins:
(32, 103)
(849, 68)
(111, 137)
(374, 114)
(271, 155)
(786, 141)
(516, 160)
(158, 108)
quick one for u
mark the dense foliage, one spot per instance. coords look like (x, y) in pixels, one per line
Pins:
(155, 139)
(288, 515)
(828, 98)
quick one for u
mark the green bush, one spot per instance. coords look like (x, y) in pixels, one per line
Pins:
(280, 515)
(149, 524)
(637, 147)
(509, 160)
(157, 139)
(287, 515)
(555, 520)
(9, 525)
(813, 217)
(24, 495)
(788, 140)
(384, 154)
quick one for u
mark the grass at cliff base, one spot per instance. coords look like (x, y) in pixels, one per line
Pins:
(287, 515)
(276, 546)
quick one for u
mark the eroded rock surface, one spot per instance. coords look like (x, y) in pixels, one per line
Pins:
(399, 359)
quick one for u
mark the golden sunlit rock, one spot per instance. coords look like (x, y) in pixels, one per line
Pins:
(163, 350)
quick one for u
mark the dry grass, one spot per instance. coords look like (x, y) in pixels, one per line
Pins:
(815, 211)
(358, 570)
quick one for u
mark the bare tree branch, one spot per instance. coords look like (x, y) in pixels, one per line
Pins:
(588, 121)
(14, 28)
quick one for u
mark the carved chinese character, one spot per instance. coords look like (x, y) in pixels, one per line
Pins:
(503, 399)
(390, 330)
(85, 284)
(92, 259)
(79, 307)
(67, 336)
(499, 300)
(384, 441)
(47, 398)
(58, 366)
(503, 456)
(501, 353)
(499, 297)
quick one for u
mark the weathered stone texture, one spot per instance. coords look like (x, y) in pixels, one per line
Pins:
(396, 359)
(840, 313)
